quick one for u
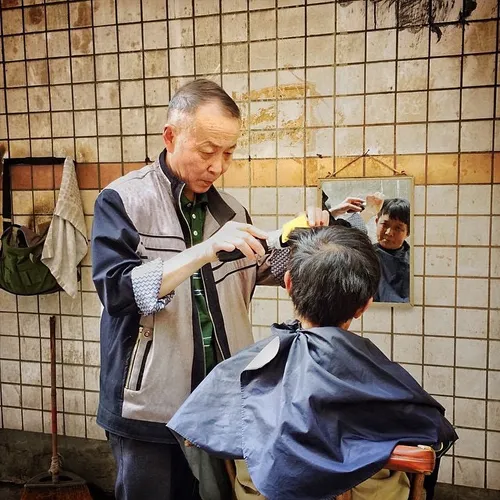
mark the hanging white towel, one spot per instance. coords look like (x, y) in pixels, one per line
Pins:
(66, 243)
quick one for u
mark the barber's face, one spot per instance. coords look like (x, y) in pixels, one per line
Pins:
(391, 233)
(202, 149)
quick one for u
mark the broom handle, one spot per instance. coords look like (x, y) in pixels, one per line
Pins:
(54, 465)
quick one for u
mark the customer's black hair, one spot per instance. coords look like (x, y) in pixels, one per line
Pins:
(396, 208)
(334, 270)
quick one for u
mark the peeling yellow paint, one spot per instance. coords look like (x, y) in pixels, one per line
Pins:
(263, 136)
(282, 91)
(294, 134)
(264, 115)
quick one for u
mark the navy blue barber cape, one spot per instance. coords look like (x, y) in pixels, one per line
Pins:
(313, 412)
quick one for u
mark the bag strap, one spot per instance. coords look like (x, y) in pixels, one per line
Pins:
(6, 196)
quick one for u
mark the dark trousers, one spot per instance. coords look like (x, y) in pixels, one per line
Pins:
(431, 480)
(151, 471)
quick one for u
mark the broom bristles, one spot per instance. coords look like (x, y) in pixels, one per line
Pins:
(77, 492)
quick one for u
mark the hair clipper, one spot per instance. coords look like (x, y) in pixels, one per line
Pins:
(236, 254)
(300, 221)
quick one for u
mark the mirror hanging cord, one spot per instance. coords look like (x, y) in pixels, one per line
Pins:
(366, 154)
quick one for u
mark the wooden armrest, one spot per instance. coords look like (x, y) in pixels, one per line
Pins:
(413, 459)
(231, 471)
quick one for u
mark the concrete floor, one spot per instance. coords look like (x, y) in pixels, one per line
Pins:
(443, 492)
(449, 492)
(10, 491)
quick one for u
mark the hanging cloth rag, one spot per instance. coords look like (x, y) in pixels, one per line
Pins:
(66, 244)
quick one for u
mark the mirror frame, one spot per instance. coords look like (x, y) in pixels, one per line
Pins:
(411, 302)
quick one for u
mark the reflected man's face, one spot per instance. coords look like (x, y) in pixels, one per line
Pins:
(391, 233)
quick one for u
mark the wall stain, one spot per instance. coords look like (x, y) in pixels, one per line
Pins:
(259, 136)
(283, 91)
(416, 14)
(298, 123)
(84, 154)
(84, 15)
(243, 141)
(480, 36)
(44, 206)
(82, 40)
(10, 3)
(294, 133)
(15, 49)
(113, 94)
(468, 9)
(35, 15)
(292, 130)
(291, 91)
(339, 117)
(97, 6)
(263, 116)
(39, 73)
(39, 102)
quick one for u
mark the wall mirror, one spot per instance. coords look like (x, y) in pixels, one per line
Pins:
(383, 208)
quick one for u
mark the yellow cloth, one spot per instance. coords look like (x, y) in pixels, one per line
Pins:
(384, 485)
(244, 488)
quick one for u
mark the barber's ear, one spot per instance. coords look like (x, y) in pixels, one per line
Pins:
(288, 282)
(361, 310)
(169, 137)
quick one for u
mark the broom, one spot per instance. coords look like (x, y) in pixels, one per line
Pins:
(55, 484)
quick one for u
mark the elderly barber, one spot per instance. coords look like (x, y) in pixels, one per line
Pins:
(172, 310)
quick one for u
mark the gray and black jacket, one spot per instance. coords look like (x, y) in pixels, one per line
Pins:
(151, 349)
(394, 283)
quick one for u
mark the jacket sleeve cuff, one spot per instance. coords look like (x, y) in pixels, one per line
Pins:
(278, 262)
(146, 283)
(356, 221)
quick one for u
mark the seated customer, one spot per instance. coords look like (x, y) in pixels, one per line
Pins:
(393, 227)
(314, 409)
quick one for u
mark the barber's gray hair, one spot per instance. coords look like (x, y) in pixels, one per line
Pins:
(191, 96)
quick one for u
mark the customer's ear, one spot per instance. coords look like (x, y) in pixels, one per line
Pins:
(169, 137)
(288, 282)
(361, 310)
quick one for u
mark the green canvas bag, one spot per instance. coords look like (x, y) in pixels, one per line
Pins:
(21, 270)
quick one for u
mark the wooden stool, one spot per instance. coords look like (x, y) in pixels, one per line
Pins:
(416, 461)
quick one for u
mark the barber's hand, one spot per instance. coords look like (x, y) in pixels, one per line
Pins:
(232, 235)
(317, 217)
(350, 204)
(374, 202)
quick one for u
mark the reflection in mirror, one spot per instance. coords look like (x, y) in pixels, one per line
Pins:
(382, 208)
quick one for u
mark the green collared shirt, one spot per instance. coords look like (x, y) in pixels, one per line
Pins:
(194, 212)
